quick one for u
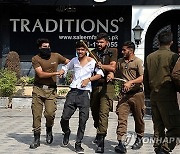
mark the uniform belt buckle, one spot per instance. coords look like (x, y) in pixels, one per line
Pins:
(45, 87)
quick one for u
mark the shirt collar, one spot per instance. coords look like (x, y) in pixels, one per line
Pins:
(104, 51)
(102, 54)
(164, 48)
(132, 59)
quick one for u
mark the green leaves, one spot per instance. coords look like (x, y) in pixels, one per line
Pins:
(62, 92)
(8, 81)
(117, 87)
(68, 78)
(25, 80)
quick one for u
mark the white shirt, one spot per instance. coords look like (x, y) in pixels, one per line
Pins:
(81, 72)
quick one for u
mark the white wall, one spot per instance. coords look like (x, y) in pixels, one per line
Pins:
(144, 15)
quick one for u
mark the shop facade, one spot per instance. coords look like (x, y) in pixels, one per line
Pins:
(65, 22)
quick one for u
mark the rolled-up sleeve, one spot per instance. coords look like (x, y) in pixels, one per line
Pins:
(99, 71)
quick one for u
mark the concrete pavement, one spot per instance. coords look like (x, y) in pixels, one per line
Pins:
(16, 134)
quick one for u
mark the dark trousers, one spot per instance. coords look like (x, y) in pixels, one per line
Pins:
(130, 103)
(76, 99)
(165, 115)
(101, 105)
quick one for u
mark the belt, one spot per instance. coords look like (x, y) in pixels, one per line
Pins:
(76, 89)
(45, 86)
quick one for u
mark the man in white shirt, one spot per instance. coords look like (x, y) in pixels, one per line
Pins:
(79, 95)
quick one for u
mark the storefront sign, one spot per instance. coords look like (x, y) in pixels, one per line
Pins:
(63, 30)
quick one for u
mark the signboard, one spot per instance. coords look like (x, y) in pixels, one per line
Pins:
(63, 29)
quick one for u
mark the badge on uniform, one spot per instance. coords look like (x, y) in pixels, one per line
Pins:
(45, 87)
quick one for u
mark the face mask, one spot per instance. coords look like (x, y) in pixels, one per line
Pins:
(45, 53)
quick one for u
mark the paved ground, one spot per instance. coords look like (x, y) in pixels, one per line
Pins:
(16, 134)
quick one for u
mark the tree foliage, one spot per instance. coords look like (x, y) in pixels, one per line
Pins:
(8, 81)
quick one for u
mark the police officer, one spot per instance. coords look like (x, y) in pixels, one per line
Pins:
(103, 90)
(45, 64)
(130, 68)
(163, 96)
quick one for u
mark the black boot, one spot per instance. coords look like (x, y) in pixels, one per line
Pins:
(100, 143)
(65, 141)
(78, 148)
(49, 136)
(121, 148)
(36, 142)
(156, 150)
(95, 140)
(138, 143)
(162, 151)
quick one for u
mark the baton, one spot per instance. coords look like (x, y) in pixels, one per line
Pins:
(90, 53)
(119, 79)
